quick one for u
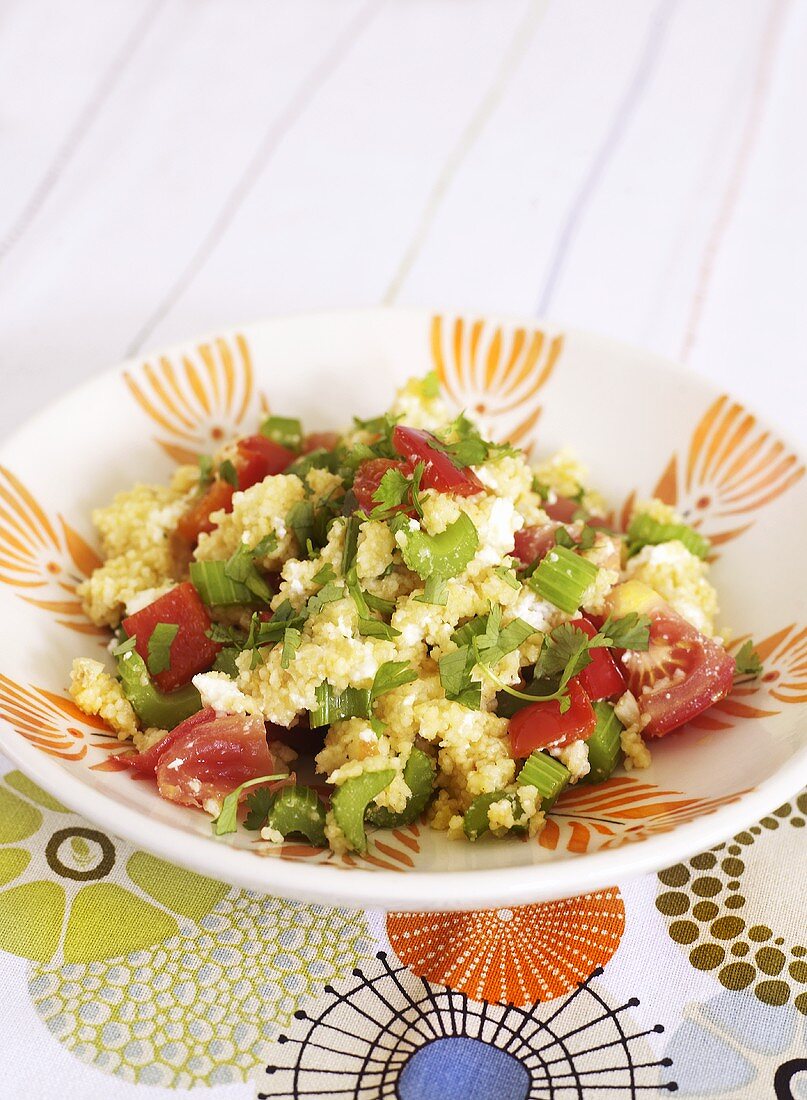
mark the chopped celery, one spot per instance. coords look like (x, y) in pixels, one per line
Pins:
(443, 555)
(548, 775)
(214, 586)
(419, 778)
(644, 530)
(297, 810)
(285, 430)
(351, 799)
(604, 745)
(475, 822)
(562, 578)
(332, 707)
(155, 708)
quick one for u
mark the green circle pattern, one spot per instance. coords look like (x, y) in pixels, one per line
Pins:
(744, 955)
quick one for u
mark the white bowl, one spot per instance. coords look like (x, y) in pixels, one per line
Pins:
(641, 424)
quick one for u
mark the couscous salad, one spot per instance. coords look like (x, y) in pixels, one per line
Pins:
(417, 618)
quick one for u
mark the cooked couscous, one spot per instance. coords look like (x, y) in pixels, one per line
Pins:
(438, 628)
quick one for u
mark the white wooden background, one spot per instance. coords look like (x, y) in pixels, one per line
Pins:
(635, 167)
(168, 167)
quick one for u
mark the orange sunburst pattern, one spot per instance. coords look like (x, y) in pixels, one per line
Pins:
(198, 400)
(51, 722)
(495, 371)
(622, 810)
(389, 850)
(44, 559)
(732, 468)
(517, 956)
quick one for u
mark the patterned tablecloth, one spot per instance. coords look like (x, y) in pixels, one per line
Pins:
(172, 167)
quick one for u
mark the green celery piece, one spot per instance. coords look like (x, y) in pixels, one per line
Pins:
(215, 588)
(604, 745)
(285, 430)
(443, 555)
(350, 801)
(298, 810)
(562, 578)
(475, 821)
(548, 775)
(643, 530)
(162, 710)
(419, 778)
(332, 707)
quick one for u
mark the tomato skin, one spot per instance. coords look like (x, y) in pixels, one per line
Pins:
(440, 473)
(191, 650)
(320, 441)
(259, 457)
(541, 724)
(533, 543)
(682, 674)
(368, 478)
(602, 678)
(206, 757)
(195, 520)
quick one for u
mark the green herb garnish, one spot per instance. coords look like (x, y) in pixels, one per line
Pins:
(159, 647)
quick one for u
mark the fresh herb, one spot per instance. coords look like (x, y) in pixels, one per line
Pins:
(374, 628)
(258, 803)
(291, 643)
(351, 544)
(632, 631)
(227, 820)
(430, 385)
(300, 519)
(226, 661)
(267, 545)
(748, 662)
(205, 471)
(391, 675)
(125, 646)
(241, 568)
(507, 575)
(159, 647)
(228, 473)
(329, 593)
(377, 603)
(435, 592)
(325, 575)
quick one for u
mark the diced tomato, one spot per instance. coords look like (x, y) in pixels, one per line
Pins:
(566, 510)
(206, 757)
(320, 441)
(368, 478)
(682, 674)
(533, 543)
(195, 520)
(541, 724)
(440, 473)
(191, 650)
(602, 678)
(259, 457)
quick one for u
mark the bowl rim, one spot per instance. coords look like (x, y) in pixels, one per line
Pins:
(414, 890)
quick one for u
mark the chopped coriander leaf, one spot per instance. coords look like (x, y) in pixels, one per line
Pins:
(507, 575)
(325, 575)
(351, 544)
(258, 803)
(125, 646)
(266, 546)
(563, 538)
(241, 568)
(228, 473)
(291, 643)
(225, 661)
(356, 594)
(540, 489)
(747, 661)
(455, 676)
(227, 820)
(392, 492)
(445, 554)
(391, 675)
(205, 471)
(430, 385)
(632, 631)
(159, 647)
(329, 593)
(565, 648)
(376, 603)
(314, 460)
(297, 810)
(588, 536)
(435, 591)
(378, 727)
(300, 519)
(285, 430)
(374, 628)
(216, 588)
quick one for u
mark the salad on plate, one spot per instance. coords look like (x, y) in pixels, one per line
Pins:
(402, 622)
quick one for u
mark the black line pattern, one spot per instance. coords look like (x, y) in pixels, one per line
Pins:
(362, 1041)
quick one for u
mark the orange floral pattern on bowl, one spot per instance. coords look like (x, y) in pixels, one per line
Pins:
(49, 721)
(200, 399)
(731, 469)
(495, 371)
(44, 559)
(515, 956)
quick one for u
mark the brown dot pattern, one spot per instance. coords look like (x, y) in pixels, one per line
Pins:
(704, 902)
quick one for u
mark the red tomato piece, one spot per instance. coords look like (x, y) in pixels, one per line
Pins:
(195, 520)
(533, 543)
(191, 650)
(368, 478)
(565, 510)
(682, 674)
(259, 457)
(206, 757)
(541, 724)
(440, 473)
(602, 678)
(320, 441)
